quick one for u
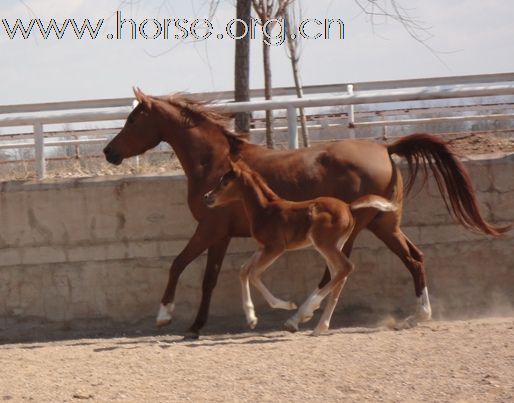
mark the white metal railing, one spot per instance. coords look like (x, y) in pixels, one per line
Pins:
(39, 115)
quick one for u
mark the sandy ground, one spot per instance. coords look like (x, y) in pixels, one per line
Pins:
(440, 361)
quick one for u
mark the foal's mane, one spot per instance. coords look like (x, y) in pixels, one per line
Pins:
(259, 181)
(195, 112)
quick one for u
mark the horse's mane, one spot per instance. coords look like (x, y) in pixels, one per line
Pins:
(259, 181)
(195, 112)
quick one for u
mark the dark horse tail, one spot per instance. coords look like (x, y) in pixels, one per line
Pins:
(451, 177)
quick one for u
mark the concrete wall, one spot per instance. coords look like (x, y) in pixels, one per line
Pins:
(101, 249)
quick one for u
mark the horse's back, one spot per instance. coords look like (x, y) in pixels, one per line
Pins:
(345, 169)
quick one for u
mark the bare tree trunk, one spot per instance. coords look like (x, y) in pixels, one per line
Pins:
(268, 94)
(242, 65)
(299, 94)
(295, 57)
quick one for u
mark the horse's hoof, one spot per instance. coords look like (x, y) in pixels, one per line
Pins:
(164, 316)
(291, 326)
(252, 323)
(191, 335)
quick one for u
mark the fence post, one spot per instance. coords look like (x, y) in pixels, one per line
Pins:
(292, 127)
(351, 114)
(39, 144)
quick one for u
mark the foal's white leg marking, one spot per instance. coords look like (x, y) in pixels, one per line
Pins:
(307, 318)
(248, 306)
(305, 311)
(423, 309)
(324, 322)
(273, 301)
(164, 315)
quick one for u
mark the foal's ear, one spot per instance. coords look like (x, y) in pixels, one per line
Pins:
(141, 97)
(234, 158)
(234, 166)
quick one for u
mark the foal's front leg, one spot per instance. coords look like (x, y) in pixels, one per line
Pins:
(257, 264)
(248, 307)
(267, 259)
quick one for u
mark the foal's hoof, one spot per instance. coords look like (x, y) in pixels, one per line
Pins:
(423, 314)
(305, 318)
(252, 323)
(160, 323)
(291, 326)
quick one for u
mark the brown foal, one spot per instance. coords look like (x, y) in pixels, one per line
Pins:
(279, 225)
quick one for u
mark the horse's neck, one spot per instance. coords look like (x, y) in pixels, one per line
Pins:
(199, 153)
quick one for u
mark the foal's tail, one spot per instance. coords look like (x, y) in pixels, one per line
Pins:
(373, 201)
(451, 177)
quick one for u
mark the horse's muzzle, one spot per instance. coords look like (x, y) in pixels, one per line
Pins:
(111, 156)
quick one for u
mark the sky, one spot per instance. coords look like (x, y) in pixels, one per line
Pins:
(466, 37)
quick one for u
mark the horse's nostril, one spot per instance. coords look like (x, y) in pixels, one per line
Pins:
(107, 150)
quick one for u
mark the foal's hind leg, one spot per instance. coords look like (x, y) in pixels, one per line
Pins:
(339, 267)
(387, 229)
(347, 250)
(346, 268)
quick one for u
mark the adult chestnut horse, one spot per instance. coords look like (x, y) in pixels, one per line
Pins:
(345, 169)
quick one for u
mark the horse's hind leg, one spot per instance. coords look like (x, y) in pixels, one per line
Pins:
(386, 228)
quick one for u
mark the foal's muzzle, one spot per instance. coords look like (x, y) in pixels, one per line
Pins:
(112, 156)
(209, 199)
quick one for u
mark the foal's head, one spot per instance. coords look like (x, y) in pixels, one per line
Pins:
(140, 133)
(228, 189)
(238, 179)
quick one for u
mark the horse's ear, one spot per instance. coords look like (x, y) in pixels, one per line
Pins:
(141, 97)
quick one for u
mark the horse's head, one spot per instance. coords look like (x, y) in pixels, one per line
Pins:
(227, 189)
(140, 133)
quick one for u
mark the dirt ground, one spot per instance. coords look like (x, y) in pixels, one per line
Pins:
(440, 361)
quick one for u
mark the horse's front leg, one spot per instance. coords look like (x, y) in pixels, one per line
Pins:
(200, 241)
(215, 258)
